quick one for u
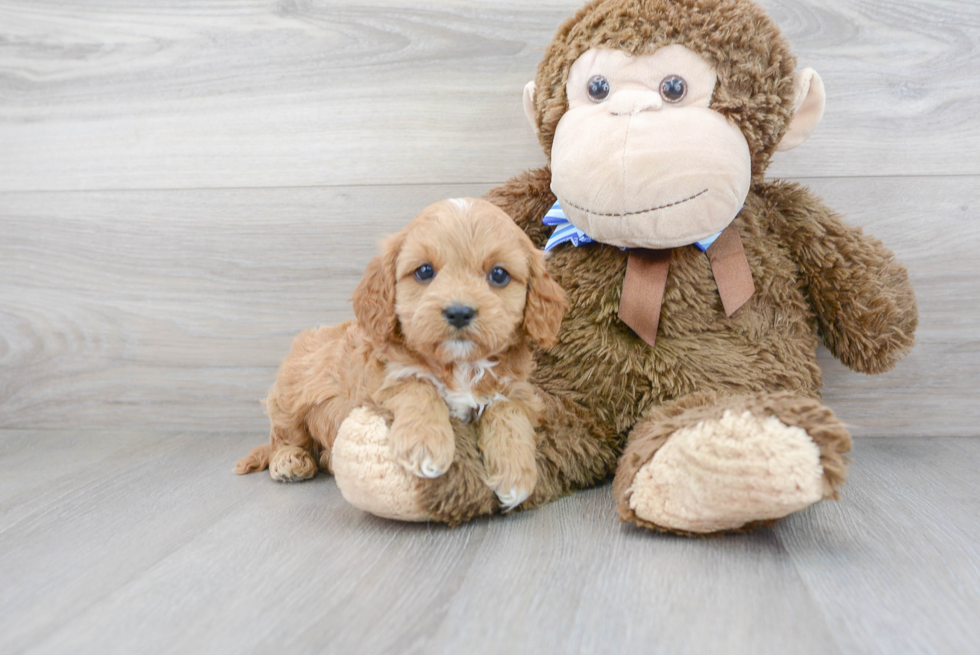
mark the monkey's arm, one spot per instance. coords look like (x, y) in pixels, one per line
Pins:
(861, 294)
(527, 198)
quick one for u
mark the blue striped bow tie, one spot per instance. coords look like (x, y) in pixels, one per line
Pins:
(565, 231)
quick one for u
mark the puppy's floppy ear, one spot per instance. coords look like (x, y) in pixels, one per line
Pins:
(374, 297)
(546, 302)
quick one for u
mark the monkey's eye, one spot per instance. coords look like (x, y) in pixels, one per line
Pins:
(598, 88)
(425, 272)
(499, 277)
(673, 88)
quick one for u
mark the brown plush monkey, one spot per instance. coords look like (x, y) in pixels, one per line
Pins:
(699, 291)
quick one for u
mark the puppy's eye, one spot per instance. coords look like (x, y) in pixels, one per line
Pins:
(673, 88)
(598, 88)
(425, 272)
(499, 277)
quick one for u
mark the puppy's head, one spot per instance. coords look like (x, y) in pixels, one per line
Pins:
(460, 283)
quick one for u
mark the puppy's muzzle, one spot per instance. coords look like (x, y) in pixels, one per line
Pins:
(459, 316)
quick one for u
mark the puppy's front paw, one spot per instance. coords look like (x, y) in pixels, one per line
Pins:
(512, 497)
(512, 479)
(423, 451)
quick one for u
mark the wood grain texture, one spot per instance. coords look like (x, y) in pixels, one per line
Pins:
(895, 567)
(191, 94)
(173, 309)
(159, 548)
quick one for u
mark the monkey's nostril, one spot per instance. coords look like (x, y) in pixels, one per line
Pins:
(459, 316)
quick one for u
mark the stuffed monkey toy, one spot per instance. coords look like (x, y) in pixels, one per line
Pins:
(699, 290)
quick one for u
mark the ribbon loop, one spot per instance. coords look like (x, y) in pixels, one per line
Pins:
(731, 269)
(643, 292)
(564, 230)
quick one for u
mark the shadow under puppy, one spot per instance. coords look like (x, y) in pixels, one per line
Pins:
(445, 320)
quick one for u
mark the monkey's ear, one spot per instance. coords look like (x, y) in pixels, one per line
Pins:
(529, 111)
(808, 103)
(374, 297)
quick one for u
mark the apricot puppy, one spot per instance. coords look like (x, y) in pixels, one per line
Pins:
(445, 320)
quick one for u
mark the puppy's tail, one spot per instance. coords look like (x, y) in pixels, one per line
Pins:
(257, 460)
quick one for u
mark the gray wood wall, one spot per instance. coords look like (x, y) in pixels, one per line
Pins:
(185, 185)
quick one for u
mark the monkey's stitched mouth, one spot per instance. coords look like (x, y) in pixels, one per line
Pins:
(642, 211)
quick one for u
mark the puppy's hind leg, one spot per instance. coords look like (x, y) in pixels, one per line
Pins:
(306, 405)
(322, 424)
(292, 458)
(290, 453)
(286, 461)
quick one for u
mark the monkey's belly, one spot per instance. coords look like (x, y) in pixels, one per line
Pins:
(768, 344)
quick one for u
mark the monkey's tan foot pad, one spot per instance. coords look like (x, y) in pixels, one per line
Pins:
(722, 474)
(368, 475)
(291, 464)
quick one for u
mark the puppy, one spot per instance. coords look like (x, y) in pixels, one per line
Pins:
(445, 320)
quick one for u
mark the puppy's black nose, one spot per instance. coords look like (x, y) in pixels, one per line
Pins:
(459, 316)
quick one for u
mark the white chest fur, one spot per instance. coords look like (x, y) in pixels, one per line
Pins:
(463, 403)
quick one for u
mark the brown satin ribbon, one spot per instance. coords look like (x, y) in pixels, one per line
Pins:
(643, 291)
(646, 279)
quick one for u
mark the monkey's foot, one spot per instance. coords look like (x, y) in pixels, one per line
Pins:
(367, 473)
(726, 473)
(371, 479)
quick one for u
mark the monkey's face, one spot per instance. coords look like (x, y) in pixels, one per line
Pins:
(639, 159)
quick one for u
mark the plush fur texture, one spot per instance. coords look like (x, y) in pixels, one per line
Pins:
(405, 355)
(610, 398)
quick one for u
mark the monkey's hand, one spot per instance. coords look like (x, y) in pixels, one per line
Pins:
(861, 294)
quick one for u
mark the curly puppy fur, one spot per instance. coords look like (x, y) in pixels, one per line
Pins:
(405, 354)
(816, 278)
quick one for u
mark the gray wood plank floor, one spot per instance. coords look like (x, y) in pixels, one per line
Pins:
(134, 543)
